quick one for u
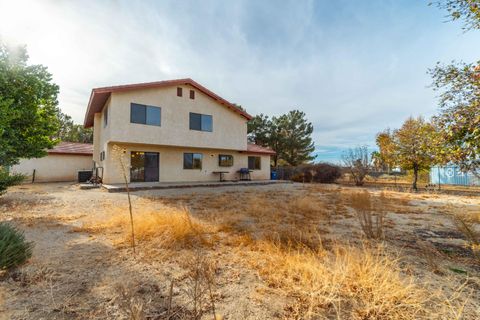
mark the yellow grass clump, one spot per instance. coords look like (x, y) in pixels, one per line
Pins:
(346, 282)
(170, 227)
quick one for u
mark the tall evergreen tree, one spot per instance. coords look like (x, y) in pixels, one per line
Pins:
(295, 135)
(289, 135)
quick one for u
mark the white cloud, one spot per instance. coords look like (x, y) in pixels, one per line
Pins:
(354, 69)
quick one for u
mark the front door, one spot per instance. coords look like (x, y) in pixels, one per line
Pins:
(144, 166)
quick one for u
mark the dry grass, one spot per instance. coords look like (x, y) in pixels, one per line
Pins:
(371, 220)
(346, 282)
(306, 246)
(469, 225)
(170, 227)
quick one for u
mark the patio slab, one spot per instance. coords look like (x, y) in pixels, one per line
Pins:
(138, 186)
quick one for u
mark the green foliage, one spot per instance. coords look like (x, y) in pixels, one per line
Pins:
(8, 180)
(14, 249)
(28, 106)
(459, 84)
(289, 135)
(459, 87)
(466, 10)
(71, 132)
(294, 131)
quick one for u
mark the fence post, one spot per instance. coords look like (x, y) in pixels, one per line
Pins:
(439, 181)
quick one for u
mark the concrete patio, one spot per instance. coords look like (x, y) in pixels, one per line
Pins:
(138, 186)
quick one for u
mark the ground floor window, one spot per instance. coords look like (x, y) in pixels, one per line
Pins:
(192, 161)
(144, 166)
(225, 160)
(254, 163)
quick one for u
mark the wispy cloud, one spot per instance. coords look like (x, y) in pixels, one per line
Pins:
(353, 67)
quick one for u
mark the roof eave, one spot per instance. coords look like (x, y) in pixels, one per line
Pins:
(89, 115)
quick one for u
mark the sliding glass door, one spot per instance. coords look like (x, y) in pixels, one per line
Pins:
(144, 166)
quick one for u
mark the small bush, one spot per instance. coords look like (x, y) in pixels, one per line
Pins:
(14, 250)
(372, 223)
(321, 173)
(468, 224)
(326, 173)
(7, 180)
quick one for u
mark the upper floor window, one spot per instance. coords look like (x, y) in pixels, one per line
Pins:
(225, 160)
(192, 161)
(179, 92)
(105, 117)
(192, 94)
(143, 114)
(201, 122)
(254, 163)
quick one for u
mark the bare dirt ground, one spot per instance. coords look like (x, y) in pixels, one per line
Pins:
(266, 252)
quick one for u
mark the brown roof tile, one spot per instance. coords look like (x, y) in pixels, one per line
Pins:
(253, 148)
(74, 148)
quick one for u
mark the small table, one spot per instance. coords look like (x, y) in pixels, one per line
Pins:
(221, 173)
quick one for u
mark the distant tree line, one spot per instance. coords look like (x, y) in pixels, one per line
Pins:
(72, 132)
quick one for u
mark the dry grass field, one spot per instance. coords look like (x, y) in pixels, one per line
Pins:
(288, 251)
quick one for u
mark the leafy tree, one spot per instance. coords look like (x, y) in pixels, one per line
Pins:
(71, 132)
(28, 105)
(358, 163)
(459, 119)
(459, 87)
(289, 135)
(385, 145)
(416, 146)
(466, 10)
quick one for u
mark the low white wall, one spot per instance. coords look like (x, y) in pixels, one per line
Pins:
(54, 167)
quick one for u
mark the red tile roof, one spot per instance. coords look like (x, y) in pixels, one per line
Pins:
(253, 148)
(99, 96)
(73, 148)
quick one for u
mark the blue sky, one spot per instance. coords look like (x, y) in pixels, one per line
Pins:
(354, 67)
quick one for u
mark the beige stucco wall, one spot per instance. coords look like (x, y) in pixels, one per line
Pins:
(54, 167)
(229, 128)
(171, 164)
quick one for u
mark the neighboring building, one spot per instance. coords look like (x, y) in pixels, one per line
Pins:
(62, 163)
(453, 175)
(173, 130)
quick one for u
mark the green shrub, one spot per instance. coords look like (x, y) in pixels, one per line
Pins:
(8, 180)
(14, 249)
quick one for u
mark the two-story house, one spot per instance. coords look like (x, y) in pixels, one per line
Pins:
(174, 130)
